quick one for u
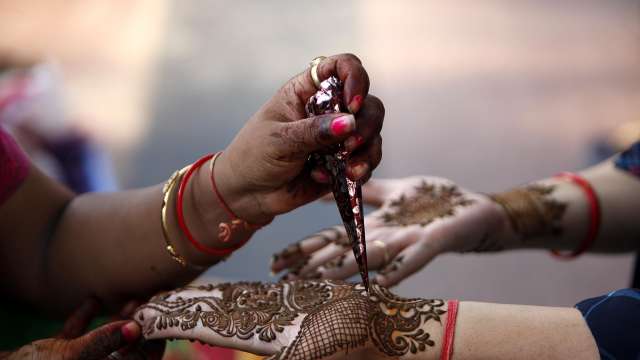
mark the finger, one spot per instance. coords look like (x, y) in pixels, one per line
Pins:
(407, 262)
(78, 322)
(362, 162)
(382, 246)
(296, 253)
(309, 268)
(100, 343)
(320, 175)
(347, 67)
(376, 191)
(329, 254)
(295, 140)
(370, 119)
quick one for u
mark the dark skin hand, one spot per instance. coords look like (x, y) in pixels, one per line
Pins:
(110, 245)
(283, 182)
(74, 343)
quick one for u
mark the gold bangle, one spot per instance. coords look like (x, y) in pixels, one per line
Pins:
(167, 189)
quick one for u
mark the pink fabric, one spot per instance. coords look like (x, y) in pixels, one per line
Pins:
(14, 166)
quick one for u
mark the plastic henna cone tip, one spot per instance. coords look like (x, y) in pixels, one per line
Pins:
(347, 193)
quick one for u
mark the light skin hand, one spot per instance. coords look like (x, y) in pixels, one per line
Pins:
(417, 219)
(324, 319)
(309, 320)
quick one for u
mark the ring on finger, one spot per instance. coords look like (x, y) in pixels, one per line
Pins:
(314, 70)
(385, 251)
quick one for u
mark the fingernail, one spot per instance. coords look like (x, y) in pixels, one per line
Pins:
(130, 331)
(321, 176)
(353, 142)
(358, 170)
(343, 125)
(355, 104)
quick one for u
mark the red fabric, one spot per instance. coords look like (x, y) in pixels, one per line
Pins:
(14, 166)
(449, 330)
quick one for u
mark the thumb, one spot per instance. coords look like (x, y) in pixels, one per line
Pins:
(376, 191)
(106, 339)
(299, 138)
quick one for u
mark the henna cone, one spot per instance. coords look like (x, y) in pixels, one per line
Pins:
(347, 193)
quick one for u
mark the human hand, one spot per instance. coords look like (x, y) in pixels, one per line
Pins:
(116, 340)
(417, 219)
(265, 172)
(297, 320)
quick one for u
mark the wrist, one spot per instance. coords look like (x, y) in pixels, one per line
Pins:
(243, 201)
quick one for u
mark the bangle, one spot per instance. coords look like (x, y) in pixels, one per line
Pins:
(167, 189)
(226, 229)
(594, 215)
(449, 330)
(182, 223)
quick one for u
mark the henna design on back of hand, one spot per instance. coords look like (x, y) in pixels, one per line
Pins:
(335, 316)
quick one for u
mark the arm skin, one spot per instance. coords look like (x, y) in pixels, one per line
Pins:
(619, 196)
(105, 245)
(364, 325)
(500, 331)
(56, 248)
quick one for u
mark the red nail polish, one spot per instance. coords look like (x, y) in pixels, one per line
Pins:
(127, 333)
(355, 104)
(342, 125)
(321, 176)
(359, 140)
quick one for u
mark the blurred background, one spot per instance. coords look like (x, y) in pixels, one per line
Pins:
(491, 94)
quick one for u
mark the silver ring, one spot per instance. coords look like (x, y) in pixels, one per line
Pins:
(115, 356)
(385, 251)
(314, 70)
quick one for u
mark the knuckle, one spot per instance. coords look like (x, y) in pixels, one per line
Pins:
(350, 58)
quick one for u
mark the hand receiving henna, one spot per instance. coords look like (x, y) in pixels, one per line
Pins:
(297, 320)
(265, 172)
(418, 218)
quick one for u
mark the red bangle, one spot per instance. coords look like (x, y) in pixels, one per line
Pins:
(449, 330)
(594, 215)
(226, 229)
(182, 223)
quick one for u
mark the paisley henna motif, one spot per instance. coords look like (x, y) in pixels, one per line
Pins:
(336, 316)
(429, 203)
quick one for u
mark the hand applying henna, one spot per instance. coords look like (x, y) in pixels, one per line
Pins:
(346, 192)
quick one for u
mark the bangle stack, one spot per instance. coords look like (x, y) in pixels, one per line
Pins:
(225, 229)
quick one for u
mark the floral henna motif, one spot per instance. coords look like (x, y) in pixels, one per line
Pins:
(244, 309)
(428, 204)
(396, 326)
(531, 211)
(337, 316)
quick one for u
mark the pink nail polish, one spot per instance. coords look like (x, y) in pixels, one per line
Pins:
(342, 125)
(321, 176)
(128, 333)
(355, 104)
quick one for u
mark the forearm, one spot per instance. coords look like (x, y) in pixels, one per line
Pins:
(560, 217)
(498, 331)
(107, 245)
